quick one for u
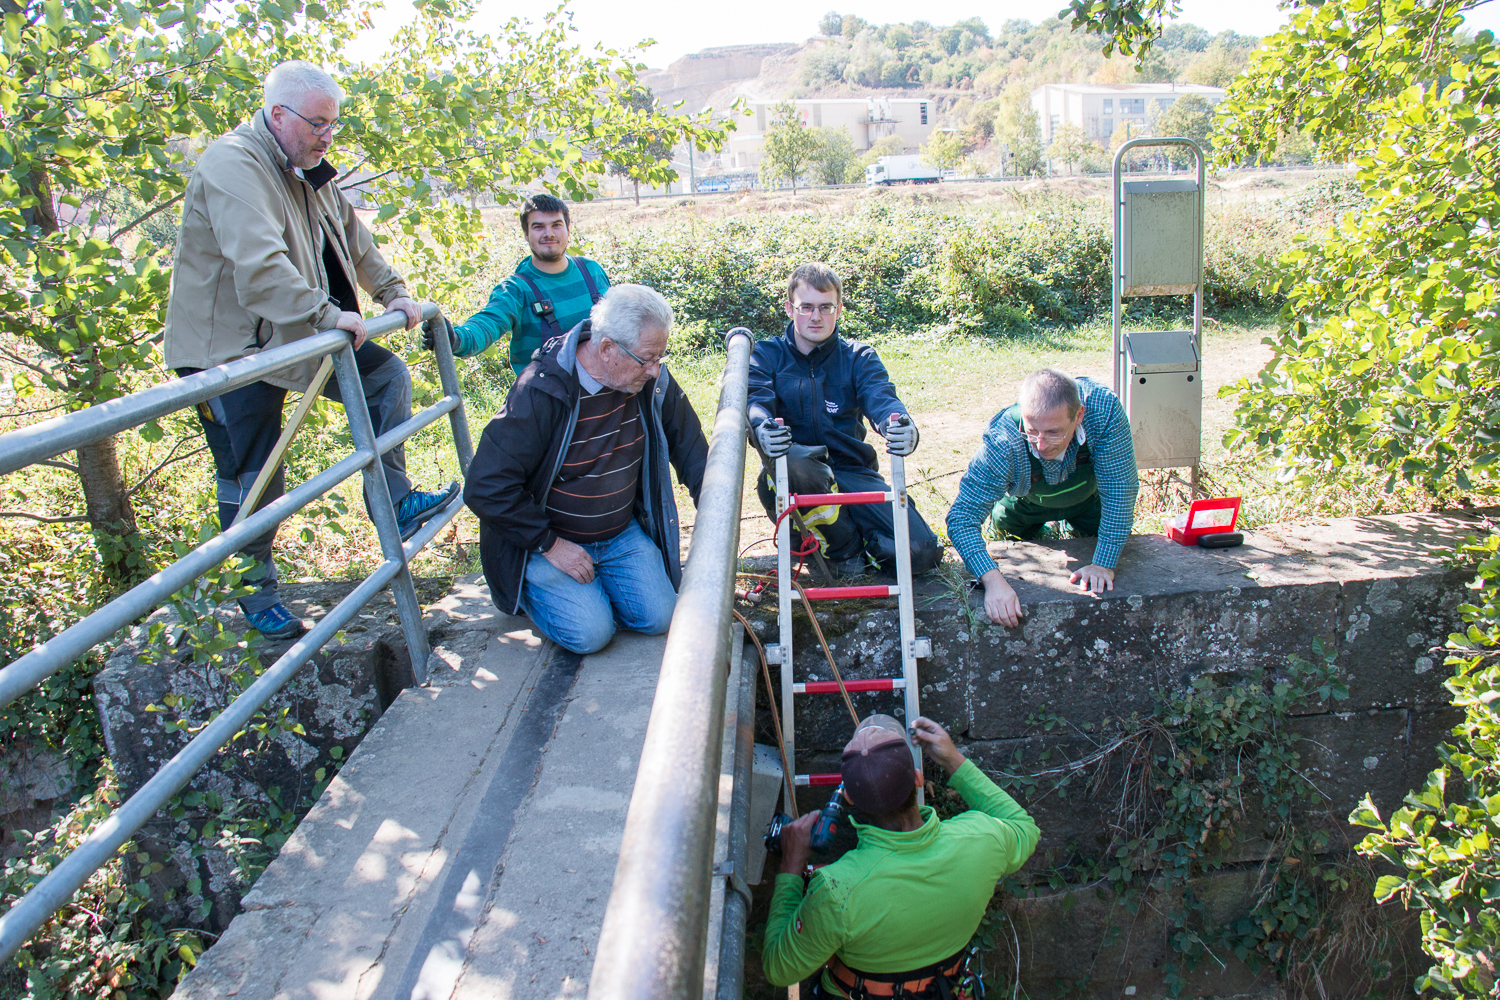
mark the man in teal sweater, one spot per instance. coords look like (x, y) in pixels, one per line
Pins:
(550, 292)
(899, 909)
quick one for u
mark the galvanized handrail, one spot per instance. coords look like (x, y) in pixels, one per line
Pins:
(52, 437)
(654, 934)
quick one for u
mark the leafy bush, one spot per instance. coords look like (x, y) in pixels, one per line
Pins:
(909, 268)
(103, 945)
(1446, 834)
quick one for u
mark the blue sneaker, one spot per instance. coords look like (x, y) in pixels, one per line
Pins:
(275, 622)
(417, 508)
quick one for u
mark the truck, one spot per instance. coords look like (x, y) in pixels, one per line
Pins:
(907, 169)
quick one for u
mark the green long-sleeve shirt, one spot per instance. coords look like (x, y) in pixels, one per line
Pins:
(900, 901)
(509, 311)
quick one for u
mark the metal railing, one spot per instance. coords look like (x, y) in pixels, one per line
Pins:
(655, 930)
(45, 440)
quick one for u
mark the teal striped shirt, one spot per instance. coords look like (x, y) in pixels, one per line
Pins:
(509, 310)
(1003, 468)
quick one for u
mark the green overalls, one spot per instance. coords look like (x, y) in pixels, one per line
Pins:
(1075, 499)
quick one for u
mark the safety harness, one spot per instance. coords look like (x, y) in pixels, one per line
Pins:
(542, 306)
(958, 977)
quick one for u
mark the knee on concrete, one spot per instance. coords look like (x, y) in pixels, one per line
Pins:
(587, 638)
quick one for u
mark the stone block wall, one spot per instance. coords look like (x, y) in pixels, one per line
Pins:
(1377, 592)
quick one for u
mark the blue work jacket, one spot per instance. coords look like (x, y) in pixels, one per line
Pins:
(825, 397)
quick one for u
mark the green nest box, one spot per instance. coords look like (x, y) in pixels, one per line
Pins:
(1160, 233)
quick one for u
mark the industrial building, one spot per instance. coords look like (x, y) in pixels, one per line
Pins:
(1099, 108)
(867, 119)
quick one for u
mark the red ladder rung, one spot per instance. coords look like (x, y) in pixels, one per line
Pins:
(836, 593)
(837, 499)
(832, 687)
(803, 780)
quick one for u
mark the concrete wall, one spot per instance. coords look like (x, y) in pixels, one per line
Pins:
(1375, 590)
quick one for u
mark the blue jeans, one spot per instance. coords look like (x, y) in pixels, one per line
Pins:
(630, 590)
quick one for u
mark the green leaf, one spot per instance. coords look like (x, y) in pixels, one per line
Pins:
(1387, 886)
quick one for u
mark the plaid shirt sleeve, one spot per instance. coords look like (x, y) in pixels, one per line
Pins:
(992, 474)
(1108, 432)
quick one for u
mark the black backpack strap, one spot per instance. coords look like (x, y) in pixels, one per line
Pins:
(541, 306)
(588, 279)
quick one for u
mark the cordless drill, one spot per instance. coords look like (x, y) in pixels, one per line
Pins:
(823, 831)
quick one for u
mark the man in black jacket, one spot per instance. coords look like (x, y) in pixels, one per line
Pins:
(578, 523)
(812, 388)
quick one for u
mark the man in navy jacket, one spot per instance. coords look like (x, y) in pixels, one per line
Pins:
(823, 389)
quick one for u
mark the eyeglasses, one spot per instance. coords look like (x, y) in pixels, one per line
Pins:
(1047, 437)
(823, 308)
(638, 359)
(319, 129)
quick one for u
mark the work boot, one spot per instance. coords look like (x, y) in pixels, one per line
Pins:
(845, 568)
(417, 508)
(275, 623)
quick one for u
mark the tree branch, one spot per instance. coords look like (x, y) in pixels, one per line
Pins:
(68, 519)
(171, 457)
(58, 465)
(162, 207)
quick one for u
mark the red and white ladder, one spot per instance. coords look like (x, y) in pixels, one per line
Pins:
(912, 646)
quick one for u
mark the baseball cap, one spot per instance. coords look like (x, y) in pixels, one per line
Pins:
(877, 767)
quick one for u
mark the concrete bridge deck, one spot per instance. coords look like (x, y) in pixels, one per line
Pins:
(467, 848)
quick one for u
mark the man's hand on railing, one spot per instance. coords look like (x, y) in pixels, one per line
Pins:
(408, 305)
(354, 323)
(429, 335)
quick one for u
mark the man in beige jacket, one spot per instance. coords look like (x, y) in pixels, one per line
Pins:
(270, 251)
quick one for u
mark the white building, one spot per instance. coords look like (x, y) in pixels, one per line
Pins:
(1099, 109)
(868, 120)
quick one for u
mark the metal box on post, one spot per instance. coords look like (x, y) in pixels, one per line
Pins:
(1160, 230)
(1164, 398)
(1158, 250)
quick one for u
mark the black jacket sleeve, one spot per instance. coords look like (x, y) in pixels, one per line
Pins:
(510, 453)
(685, 441)
(762, 396)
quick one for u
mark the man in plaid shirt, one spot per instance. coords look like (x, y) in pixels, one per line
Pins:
(1062, 453)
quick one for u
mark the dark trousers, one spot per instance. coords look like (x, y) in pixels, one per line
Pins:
(242, 426)
(1022, 517)
(860, 528)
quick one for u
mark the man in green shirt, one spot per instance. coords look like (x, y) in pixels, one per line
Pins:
(550, 292)
(900, 908)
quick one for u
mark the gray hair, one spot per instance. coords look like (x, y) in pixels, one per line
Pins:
(294, 79)
(1049, 389)
(626, 310)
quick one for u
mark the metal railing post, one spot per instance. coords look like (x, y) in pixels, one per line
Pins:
(654, 933)
(382, 511)
(463, 442)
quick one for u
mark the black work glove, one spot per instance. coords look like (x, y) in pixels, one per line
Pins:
(773, 438)
(429, 337)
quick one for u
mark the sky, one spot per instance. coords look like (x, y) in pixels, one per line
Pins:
(679, 30)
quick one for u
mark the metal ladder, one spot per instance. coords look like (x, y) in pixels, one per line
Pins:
(913, 647)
